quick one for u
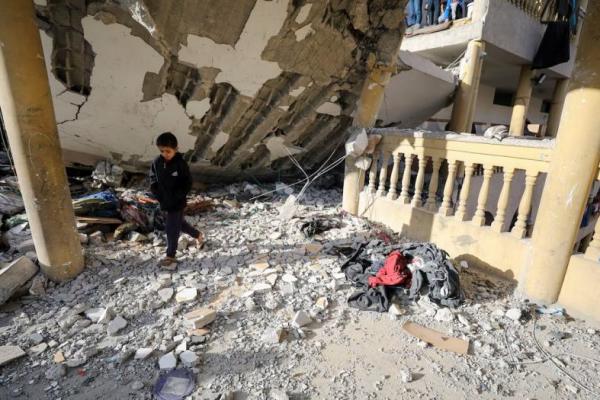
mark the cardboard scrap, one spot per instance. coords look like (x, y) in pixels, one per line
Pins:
(436, 338)
(59, 357)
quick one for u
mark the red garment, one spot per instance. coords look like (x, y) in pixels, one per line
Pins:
(393, 272)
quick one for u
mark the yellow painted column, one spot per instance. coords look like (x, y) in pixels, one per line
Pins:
(366, 115)
(558, 99)
(573, 168)
(465, 101)
(26, 104)
(522, 99)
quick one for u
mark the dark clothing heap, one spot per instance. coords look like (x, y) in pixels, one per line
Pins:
(381, 272)
(170, 182)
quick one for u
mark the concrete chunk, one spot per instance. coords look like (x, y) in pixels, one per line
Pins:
(199, 318)
(14, 275)
(10, 353)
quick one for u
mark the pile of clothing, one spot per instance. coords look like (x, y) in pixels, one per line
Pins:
(406, 270)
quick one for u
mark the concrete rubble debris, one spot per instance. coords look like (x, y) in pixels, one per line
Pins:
(38, 285)
(186, 295)
(137, 385)
(406, 376)
(56, 372)
(199, 318)
(301, 319)
(188, 358)
(514, 313)
(10, 353)
(168, 361)
(143, 353)
(99, 315)
(14, 275)
(116, 325)
(396, 310)
(165, 294)
(274, 335)
(322, 303)
(40, 348)
(444, 315)
(59, 357)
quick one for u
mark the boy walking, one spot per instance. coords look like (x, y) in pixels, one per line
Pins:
(170, 182)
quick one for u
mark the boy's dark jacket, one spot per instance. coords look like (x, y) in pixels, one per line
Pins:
(170, 182)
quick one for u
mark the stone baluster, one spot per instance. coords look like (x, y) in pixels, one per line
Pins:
(479, 218)
(461, 212)
(520, 229)
(404, 196)
(373, 174)
(417, 200)
(433, 183)
(446, 208)
(593, 250)
(393, 192)
(383, 175)
(498, 224)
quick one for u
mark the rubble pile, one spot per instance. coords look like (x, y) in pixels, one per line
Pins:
(261, 312)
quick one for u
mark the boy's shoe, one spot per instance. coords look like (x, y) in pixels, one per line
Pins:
(168, 263)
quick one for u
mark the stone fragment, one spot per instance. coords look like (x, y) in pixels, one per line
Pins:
(15, 275)
(406, 376)
(137, 385)
(96, 238)
(198, 332)
(289, 278)
(188, 358)
(59, 357)
(199, 318)
(313, 248)
(276, 394)
(55, 372)
(322, 303)
(262, 288)
(274, 335)
(261, 266)
(463, 320)
(75, 362)
(98, 315)
(168, 361)
(514, 313)
(301, 319)
(40, 348)
(181, 347)
(38, 286)
(143, 353)
(116, 325)
(83, 238)
(10, 353)
(272, 279)
(36, 338)
(26, 246)
(165, 294)
(396, 310)
(186, 295)
(444, 315)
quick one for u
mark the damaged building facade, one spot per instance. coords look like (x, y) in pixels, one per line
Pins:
(242, 85)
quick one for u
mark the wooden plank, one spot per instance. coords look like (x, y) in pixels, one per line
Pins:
(100, 220)
(436, 338)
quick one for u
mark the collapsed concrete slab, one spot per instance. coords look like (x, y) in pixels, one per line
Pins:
(242, 84)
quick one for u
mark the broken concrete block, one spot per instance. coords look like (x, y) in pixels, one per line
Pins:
(36, 338)
(514, 314)
(362, 163)
(186, 295)
(55, 372)
(289, 278)
(358, 142)
(76, 362)
(10, 353)
(83, 238)
(59, 357)
(168, 361)
(301, 319)
(138, 237)
(181, 347)
(188, 358)
(322, 303)
(96, 238)
(274, 335)
(38, 285)
(444, 315)
(262, 288)
(37, 349)
(395, 310)
(143, 353)
(116, 325)
(165, 294)
(14, 275)
(260, 266)
(199, 318)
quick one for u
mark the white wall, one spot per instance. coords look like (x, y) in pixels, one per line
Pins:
(490, 113)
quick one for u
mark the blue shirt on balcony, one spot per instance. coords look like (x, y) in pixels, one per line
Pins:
(448, 10)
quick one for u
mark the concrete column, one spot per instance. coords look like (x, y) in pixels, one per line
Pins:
(558, 99)
(26, 104)
(366, 115)
(572, 170)
(463, 111)
(522, 99)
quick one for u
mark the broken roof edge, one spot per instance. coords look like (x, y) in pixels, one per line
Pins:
(422, 64)
(546, 143)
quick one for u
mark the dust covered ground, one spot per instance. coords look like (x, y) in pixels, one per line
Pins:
(257, 273)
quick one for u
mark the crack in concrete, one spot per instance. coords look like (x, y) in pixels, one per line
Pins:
(79, 106)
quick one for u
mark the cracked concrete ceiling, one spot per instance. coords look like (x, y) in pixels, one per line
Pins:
(242, 83)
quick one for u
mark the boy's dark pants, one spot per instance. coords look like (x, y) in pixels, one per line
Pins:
(176, 224)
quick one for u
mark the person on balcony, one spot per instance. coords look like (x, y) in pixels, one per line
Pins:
(413, 13)
(455, 9)
(432, 12)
